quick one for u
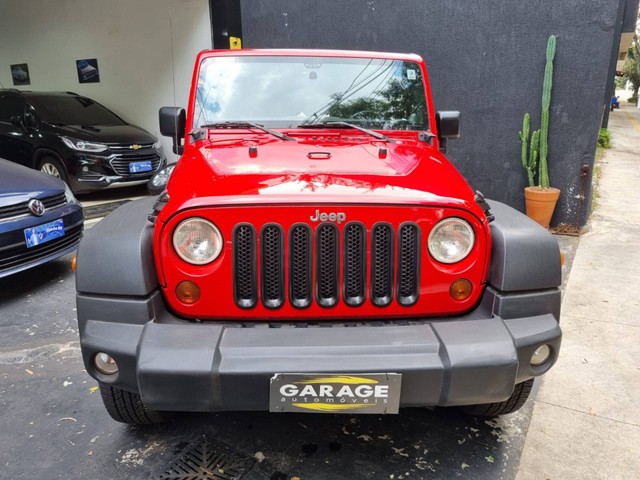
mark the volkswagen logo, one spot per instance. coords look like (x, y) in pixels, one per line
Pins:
(36, 207)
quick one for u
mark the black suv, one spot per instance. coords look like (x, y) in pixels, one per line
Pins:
(77, 139)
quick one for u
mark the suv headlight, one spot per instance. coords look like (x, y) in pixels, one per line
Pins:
(197, 241)
(83, 146)
(451, 240)
(157, 145)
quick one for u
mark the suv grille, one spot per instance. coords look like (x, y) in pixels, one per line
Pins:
(340, 265)
(123, 155)
(23, 209)
(127, 147)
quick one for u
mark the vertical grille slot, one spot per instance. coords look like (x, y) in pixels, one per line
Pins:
(354, 264)
(300, 290)
(408, 263)
(327, 265)
(272, 271)
(244, 266)
(381, 265)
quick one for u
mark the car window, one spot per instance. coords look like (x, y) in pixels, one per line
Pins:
(10, 106)
(73, 110)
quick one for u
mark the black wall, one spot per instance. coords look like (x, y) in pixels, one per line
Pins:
(486, 59)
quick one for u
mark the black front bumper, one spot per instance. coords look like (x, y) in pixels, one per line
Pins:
(214, 366)
(15, 256)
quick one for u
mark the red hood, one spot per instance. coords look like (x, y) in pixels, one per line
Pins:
(223, 171)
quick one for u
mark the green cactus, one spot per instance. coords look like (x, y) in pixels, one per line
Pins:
(524, 138)
(529, 155)
(543, 173)
(533, 156)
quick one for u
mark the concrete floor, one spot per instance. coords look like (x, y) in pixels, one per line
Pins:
(53, 423)
(586, 421)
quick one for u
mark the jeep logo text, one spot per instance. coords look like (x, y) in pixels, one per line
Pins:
(338, 217)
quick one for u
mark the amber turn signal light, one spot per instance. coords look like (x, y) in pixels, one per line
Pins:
(74, 263)
(460, 289)
(188, 292)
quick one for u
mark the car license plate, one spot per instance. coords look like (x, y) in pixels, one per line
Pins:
(136, 167)
(43, 233)
(343, 393)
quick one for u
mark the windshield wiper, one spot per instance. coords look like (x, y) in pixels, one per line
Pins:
(377, 135)
(281, 136)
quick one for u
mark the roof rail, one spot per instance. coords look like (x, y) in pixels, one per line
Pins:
(72, 93)
(11, 90)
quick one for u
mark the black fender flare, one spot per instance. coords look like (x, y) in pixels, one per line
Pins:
(115, 257)
(524, 256)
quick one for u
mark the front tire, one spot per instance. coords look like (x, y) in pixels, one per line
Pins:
(53, 167)
(514, 402)
(127, 407)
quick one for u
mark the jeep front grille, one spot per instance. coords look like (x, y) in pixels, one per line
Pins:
(408, 263)
(300, 290)
(272, 271)
(355, 267)
(325, 265)
(244, 254)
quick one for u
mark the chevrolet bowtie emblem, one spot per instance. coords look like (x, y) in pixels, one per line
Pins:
(135, 146)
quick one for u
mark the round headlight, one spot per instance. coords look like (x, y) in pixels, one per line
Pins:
(451, 240)
(197, 241)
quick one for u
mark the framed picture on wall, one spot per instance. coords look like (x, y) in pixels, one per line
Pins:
(88, 70)
(20, 74)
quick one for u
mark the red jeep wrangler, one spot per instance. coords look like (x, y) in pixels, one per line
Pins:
(315, 252)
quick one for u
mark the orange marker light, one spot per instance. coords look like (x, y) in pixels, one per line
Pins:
(188, 292)
(74, 263)
(460, 289)
(562, 258)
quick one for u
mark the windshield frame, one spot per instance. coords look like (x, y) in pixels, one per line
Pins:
(430, 114)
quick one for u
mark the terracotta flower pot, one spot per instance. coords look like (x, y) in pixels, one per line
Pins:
(540, 203)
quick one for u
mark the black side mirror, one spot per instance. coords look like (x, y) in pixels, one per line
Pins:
(30, 120)
(448, 126)
(172, 124)
(17, 121)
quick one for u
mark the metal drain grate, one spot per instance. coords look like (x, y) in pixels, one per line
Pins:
(208, 461)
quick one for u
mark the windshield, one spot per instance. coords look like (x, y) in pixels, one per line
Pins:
(284, 92)
(73, 110)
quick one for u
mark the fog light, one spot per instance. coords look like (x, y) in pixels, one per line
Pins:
(460, 289)
(188, 292)
(105, 364)
(541, 355)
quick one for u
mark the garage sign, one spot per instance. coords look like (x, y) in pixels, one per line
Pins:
(344, 393)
